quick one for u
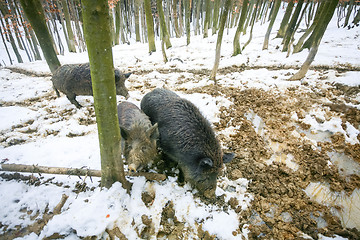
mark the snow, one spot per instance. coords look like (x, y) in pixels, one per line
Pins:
(89, 213)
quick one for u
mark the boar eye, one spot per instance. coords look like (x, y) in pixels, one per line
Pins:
(144, 148)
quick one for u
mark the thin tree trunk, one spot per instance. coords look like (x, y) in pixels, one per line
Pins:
(34, 12)
(10, 36)
(274, 13)
(318, 34)
(98, 40)
(197, 17)
(349, 10)
(236, 43)
(165, 34)
(248, 17)
(6, 48)
(137, 20)
(175, 18)
(256, 10)
(149, 26)
(291, 26)
(117, 23)
(70, 33)
(207, 18)
(187, 21)
(216, 16)
(285, 20)
(76, 17)
(299, 46)
(223, 18)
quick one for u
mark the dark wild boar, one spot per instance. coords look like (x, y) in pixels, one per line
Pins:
(139, 136)
(75, 80)
(187, 138)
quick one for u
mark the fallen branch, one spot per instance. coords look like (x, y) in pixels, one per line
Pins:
(72, 171)
(38, 225)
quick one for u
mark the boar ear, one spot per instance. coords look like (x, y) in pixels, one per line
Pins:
(124, 133)
(153, 131)
(127, 75)
(206, 162)
(227, 157)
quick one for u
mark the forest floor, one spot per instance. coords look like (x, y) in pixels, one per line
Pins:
(296, 174)
(295, 182)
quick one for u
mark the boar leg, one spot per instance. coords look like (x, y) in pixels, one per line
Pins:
(72, 99)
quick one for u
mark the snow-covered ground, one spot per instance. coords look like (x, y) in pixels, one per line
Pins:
(39, 129)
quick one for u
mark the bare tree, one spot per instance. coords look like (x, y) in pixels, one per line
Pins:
(223, 18)
(319, 30)
(98, 40)
(35, 13)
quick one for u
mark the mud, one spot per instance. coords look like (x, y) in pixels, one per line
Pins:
(281, 209)
(279, 156)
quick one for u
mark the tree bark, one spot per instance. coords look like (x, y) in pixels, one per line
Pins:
(207, 18)
(137, 20)
(256, 10)
(150, 26)
(291, 26)
(164, 32)
(216, 16)
(236, 43)
(175, 18)
(72, 171)
(219, 39)
(285, 20)
(70, 33)
(274, 13)
(35, 14)
(98, 41)
(317, 36)
(187, 21)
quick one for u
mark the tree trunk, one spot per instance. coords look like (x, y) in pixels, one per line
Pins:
(70, 33)
(7, 50)
(77, 20)
(117, 23)
(318, 34)
(274, 13)
(207, 18)
(197, 17)
(219, 39)
(256, 10)
(187, 21)
(299, 46)
(137, 20)
(291, 26)
(351, 5)
(98, 41)
(164, 32)
(239, 29)
(216, 16)
(175, 18)
(35, 14)
(149, 26)
(285, 20)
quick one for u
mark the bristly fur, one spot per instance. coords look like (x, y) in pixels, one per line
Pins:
(75, 80)
(139, 136)
(186, 137)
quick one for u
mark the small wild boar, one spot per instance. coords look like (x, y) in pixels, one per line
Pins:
(187, 138)
(75, 80)
(139, 136)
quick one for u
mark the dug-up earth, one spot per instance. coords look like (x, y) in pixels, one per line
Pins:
(298, 192)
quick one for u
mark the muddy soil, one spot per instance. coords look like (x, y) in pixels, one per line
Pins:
(281, 209)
